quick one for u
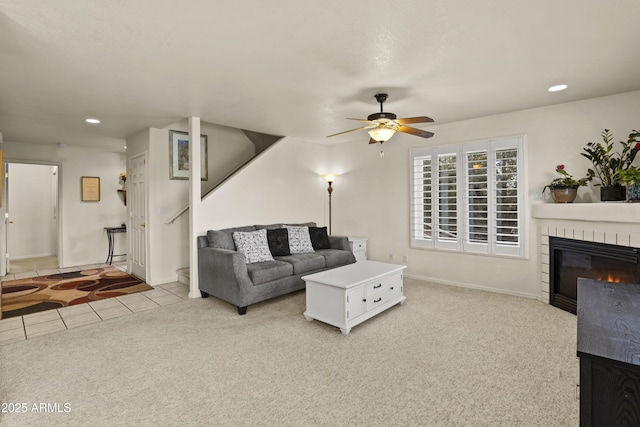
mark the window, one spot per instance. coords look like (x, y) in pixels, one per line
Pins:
(466, 197)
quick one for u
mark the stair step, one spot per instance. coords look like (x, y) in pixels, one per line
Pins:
(183, 275)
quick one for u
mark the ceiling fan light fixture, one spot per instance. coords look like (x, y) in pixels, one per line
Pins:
(381, 133)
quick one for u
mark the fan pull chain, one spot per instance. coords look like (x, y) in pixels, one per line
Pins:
(381, 153)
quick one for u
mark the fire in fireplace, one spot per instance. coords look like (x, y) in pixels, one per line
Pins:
(570, 259)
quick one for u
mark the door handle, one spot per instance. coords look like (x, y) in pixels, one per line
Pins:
(10, 222)
(143, 225)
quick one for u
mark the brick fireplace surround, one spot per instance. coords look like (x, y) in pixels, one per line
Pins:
(615, 223)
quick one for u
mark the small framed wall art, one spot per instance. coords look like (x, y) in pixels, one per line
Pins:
(90, 187)
(179, 156)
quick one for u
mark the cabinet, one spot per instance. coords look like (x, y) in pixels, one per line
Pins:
(358, 247)
(608, 337)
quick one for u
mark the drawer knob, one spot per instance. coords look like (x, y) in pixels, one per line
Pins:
(392, 288)
(377, 286)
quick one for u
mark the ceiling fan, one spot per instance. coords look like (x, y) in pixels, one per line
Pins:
(383, 125)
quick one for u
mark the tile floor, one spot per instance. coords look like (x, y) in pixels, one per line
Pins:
(46, 322)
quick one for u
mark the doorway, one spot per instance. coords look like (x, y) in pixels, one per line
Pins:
(32, 217)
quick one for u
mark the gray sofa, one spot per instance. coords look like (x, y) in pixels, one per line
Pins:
(224, 273)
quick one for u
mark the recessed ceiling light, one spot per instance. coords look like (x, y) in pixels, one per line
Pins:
(557, 88)
(92, 121)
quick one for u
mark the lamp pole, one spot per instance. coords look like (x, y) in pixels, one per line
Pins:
(330, 178)
(330, 190)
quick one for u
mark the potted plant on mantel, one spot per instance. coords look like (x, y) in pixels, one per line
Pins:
(607, 164)
(565, 188)
(631, 178)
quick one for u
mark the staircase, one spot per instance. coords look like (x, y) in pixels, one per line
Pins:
(183, 275)
(261, 141)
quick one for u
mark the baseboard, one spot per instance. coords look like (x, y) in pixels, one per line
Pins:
(13, 258)
(155, 282)
(477, 287)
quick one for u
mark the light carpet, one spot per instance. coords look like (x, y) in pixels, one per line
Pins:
(447, 357)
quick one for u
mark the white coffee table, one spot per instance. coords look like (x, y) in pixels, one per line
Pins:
(347, 296)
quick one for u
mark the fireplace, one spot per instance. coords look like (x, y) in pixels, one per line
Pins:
(570, 259)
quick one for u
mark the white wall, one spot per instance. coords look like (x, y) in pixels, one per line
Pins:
(371, 196)
(84, 240)
(31, 195)
(282, 185)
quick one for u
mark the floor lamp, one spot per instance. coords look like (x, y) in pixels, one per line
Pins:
(330, 179)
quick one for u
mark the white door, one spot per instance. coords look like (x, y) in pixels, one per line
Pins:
(137, 200)
(32, 220)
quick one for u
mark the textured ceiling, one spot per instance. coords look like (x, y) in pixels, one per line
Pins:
(298, 68)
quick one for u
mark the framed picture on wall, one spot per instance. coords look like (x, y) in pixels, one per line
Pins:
(90, 187)
(179, 155)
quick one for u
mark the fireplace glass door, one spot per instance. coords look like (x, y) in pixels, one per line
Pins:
(571, 259)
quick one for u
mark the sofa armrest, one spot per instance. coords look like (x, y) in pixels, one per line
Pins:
(223, 274)
(340, 242)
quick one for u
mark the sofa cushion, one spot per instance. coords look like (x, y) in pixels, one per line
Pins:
(220, 240)
(336, 257)
(269, 226)
(303, 263)
(299, 239)
(223, 239)
(263, 272)
(278, 241)
(319, 238)
(253, 245)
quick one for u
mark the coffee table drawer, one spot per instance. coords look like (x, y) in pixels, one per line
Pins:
(377, 300)
(383, 284)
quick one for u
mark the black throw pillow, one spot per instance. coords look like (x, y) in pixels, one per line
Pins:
(319, 238)
(278, 240)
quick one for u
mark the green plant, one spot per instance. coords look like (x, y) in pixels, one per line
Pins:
(629, 176)
(566, 180)
(607, 162)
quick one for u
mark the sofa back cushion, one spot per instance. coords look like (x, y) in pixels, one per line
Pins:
(281, 224)
(223, 239)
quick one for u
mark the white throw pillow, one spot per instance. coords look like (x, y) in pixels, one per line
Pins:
(253, 245)
(299, 240)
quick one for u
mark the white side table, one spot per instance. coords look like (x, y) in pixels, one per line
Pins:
(358, 247)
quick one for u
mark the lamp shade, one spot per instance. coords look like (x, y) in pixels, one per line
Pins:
(381, 133)
(330, 177)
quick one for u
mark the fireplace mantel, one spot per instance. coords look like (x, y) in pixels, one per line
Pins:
(619, 212)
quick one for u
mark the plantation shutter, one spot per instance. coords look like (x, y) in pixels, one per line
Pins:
(477, 212)
(422, 204)
(508, 198)
(447, 203)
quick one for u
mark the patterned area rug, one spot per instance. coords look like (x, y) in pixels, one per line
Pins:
(26, 296)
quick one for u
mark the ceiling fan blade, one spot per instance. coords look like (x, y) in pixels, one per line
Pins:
(347, 131)
(414, 131)
(373, 141)
(360, 120)
(421, 119)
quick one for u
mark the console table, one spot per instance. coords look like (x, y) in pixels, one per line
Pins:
(111, 231)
